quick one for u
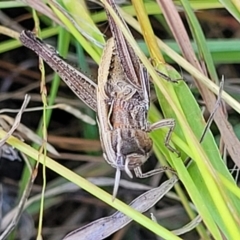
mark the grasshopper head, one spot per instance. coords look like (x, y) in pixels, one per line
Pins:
(126, 149)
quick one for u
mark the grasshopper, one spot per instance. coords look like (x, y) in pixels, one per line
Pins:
(123, 104)
(121, 100)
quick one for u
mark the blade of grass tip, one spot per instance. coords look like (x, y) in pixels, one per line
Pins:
(89, 187)
(233, 7)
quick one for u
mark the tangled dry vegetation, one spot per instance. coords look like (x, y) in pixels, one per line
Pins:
(201, 202)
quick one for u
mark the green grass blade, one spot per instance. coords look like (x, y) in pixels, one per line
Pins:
(233, 7)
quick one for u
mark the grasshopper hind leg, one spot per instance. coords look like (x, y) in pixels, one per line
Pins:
(170, 123)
